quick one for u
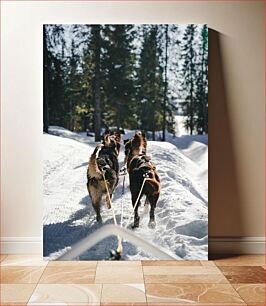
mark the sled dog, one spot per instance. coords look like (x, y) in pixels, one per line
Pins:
(103, 163)
(139, 166)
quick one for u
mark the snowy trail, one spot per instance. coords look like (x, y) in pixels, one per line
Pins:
(181, 213)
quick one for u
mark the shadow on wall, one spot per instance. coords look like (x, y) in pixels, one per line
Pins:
(225, 215)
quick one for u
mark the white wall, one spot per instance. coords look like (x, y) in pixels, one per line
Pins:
(236, 102)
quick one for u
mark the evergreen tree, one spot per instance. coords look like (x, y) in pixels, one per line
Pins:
(96, 52)
(188, 57)
(119, 66)
(150, 82)
(58, 107)
(165, 80)
(85, 110)
(54, 76)
(46, 79)
(202, 84)
(89, 110)
(73, 88)
(109, 75)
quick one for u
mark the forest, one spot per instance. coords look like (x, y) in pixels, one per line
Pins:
(125, 76)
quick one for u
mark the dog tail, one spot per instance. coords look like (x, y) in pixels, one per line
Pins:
(93, 170)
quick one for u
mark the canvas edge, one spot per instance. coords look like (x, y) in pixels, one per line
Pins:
(217, 245)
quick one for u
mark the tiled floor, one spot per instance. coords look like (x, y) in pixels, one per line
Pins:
(28, 280)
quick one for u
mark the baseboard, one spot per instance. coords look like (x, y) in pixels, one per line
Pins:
(237, 245)
(21, 245)
(217, 245)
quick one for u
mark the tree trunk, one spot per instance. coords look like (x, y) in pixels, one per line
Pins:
(153, 132)
(191, 107)
(165, 84)
(97, 93)
(45, 83)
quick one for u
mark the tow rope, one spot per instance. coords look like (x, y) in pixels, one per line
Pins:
(119, 249)
(116, 254)
(123, 173)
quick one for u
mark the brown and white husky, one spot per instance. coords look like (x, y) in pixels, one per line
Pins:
(103, 163)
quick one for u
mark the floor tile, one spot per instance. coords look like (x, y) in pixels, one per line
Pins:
(195, 303)
(14, 304)
(123, 293)
(175, 274)
(24, 260)
(119, 272)
(209, 263)
(2, 257)
(85, 264)
(171, 263)
(21, 275)
(192, 293)
(251, 293)
(104, 263)
(16, 293)
(248, 274)
(125, 304)
(73, 294)
(243, 260)
(68, 275)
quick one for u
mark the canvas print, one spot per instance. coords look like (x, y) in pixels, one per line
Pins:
(125, 131)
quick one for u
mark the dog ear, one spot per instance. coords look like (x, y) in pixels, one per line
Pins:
(138, 133)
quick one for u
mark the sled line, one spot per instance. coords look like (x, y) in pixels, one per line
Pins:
(119, 249)
(135, 204)
(123, 172)
(119, 244)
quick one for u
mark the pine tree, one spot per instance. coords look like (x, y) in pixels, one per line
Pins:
(119, 66)
(90, 107)
(46, 78)
(73, 87)
(96, 49)
(150, 82)
(85, 110)
(188, 56)
(58, 111)
(54, 76)
(202, 84)
(165, 80)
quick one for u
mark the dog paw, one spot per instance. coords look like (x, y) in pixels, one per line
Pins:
(152, 224)
(99, 220)
(134, 225)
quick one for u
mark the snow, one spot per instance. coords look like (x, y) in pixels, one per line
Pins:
(179, 125)
(181, 213)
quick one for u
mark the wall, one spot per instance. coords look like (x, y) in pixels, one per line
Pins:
(236, 104)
